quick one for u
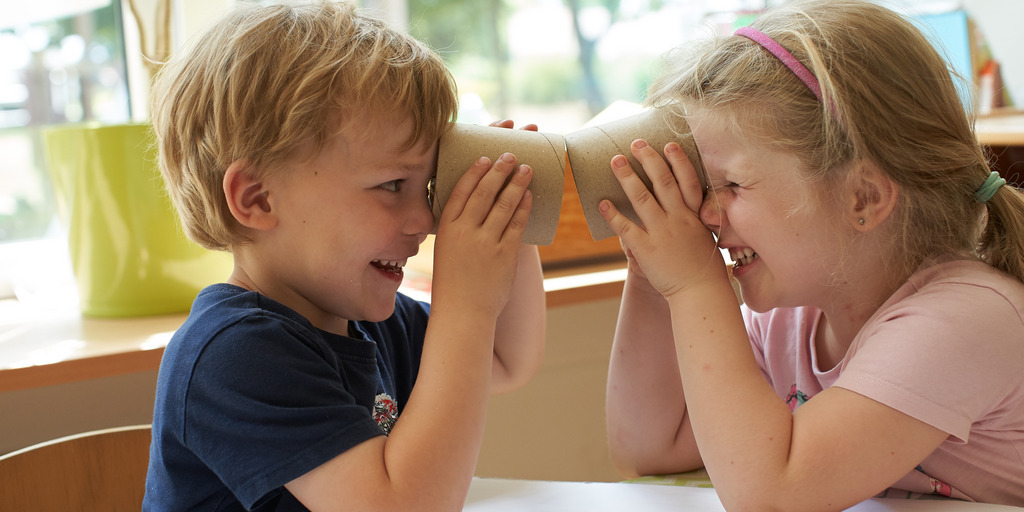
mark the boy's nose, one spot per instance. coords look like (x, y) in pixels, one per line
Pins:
(711, 212)
(421, 218)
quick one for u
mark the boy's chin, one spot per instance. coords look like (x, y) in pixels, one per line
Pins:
(379, 315)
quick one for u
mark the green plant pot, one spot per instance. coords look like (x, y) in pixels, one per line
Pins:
(128, 252)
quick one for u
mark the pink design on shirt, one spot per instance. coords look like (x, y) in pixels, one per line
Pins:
(385, 412)
(795, 398)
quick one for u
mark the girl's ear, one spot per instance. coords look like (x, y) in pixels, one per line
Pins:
(248, 198)
(874, 197)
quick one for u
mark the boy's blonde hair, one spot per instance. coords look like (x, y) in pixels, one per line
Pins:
(887, 97)
(265, 80)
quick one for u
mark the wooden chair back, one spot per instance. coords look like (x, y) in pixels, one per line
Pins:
(103, 470)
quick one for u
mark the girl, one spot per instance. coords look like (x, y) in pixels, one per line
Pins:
(880, 265)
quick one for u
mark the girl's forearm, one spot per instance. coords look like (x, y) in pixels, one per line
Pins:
(646, 411)
(742, 428)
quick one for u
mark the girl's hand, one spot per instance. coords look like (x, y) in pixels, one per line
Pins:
(672, 249)
(479, 234)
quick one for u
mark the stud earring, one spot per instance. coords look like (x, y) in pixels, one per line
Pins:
(860, 221)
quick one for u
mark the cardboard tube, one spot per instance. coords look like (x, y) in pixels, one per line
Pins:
(543, 152)
(591, 150)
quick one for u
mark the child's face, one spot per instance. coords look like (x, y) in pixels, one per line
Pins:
(760, 204)
(349, 220)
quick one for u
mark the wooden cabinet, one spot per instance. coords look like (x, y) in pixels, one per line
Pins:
(1003, 135)
(573, 244)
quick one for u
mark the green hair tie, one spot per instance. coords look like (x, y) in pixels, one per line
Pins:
(988, 189)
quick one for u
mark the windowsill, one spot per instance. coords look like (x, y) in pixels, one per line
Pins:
(45, 343)
(1002, 128)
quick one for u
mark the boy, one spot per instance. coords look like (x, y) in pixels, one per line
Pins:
(302, 139)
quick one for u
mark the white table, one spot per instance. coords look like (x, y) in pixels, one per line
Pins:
(503, 495)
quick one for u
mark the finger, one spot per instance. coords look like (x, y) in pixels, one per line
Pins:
(686, 175)
(663, 181)
(508, 123)
(503, 213)
(503, 123)
(643, 200)
(623, 227)
(481, 201)
(517, 225)
(464, 188)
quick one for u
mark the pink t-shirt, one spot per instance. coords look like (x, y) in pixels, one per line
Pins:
(947, 349)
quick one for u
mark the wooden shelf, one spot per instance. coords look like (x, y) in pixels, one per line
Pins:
(573, 243)
(46, 348)
(1004, 128)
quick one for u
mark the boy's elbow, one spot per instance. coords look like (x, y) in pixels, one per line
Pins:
(507, 377)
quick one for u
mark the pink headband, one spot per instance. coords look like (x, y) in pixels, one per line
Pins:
(783, 55)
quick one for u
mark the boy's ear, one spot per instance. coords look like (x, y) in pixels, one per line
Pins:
(248, 198)
(874, 196)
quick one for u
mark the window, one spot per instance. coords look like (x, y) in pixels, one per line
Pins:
(60, 62)
(559, 63)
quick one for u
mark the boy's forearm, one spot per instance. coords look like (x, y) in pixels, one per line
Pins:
(440, 431)
(427, 461)
(521, 326)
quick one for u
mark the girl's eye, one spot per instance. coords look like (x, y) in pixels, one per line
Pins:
(721, 187)
(392, 186)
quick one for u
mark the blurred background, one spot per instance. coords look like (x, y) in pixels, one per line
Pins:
(557, 63)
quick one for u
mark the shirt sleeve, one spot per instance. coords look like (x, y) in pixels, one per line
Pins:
(948, 355)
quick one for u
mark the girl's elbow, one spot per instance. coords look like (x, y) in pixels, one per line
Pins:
(633, 462)
(626, 465)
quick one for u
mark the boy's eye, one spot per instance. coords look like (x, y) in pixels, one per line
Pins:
(431, 185)
(392, 186)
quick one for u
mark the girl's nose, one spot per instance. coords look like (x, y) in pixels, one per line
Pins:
(711, 212)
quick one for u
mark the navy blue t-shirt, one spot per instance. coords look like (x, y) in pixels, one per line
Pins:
(250, 396)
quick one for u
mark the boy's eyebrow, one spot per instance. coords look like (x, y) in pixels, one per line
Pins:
(406, 167)
(417, 167)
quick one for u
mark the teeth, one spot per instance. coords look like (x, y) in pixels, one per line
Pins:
(743, 256)
(389, 263)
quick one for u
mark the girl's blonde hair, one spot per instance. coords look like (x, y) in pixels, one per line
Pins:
(887, 97)
(265, 80)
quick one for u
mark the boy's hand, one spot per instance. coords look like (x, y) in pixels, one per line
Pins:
(479, 234)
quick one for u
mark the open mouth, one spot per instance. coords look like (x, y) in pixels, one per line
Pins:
(391, 267)
(741, 257)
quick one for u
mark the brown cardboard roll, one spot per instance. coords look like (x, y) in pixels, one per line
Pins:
(543, 152)
(591, 150)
